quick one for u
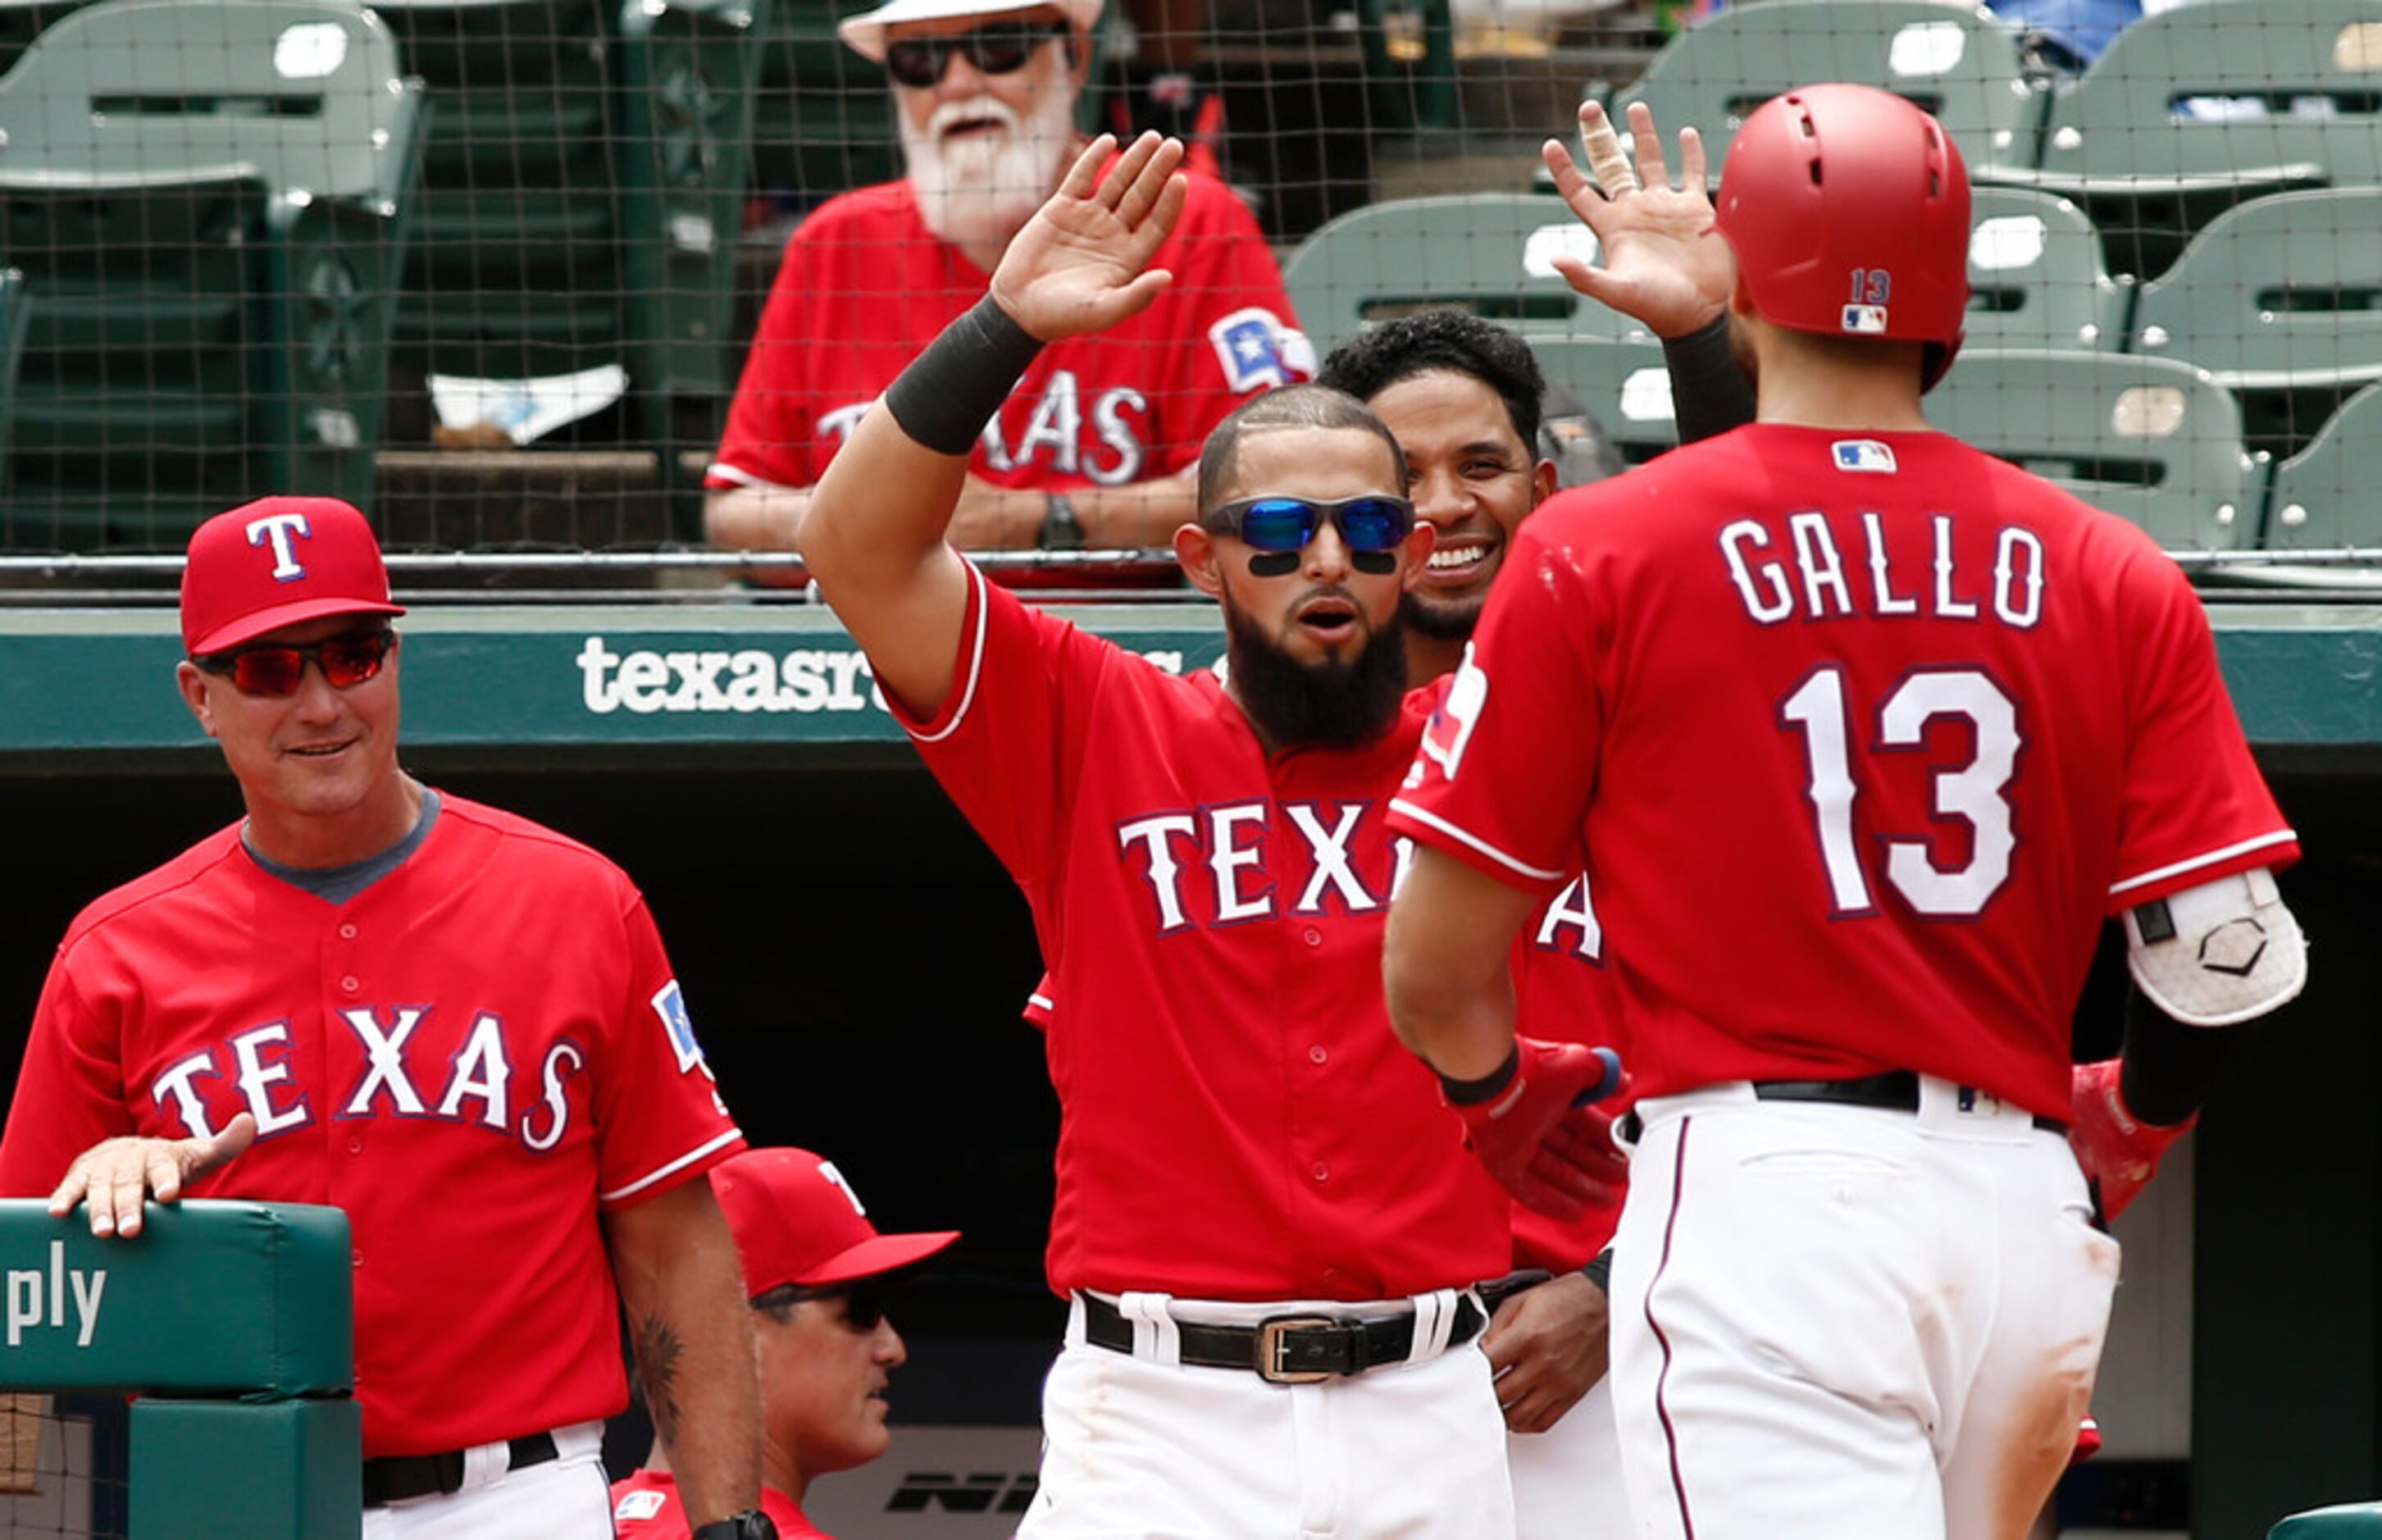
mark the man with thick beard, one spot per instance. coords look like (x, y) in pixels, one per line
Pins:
(1095, 445)
(1265, 1225)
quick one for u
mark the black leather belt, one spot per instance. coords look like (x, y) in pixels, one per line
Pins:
(1287, 1350)
(1897, 1090)
(398, 1477)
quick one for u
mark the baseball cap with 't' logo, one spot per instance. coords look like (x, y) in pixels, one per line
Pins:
(797, 1221)
(275, 562)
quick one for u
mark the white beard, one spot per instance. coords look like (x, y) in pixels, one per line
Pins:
(981, 189)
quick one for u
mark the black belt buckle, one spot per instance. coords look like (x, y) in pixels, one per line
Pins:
(1275, 1346)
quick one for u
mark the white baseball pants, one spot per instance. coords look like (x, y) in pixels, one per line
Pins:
(1840, 1323)
(566, 1499)
(1142, 1446)
(1567, 1482)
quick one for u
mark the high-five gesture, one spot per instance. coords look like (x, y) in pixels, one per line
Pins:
(1077, 265)
(1664, 264)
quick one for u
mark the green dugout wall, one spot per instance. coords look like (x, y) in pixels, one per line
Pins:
(233, 1324)
(855, 962)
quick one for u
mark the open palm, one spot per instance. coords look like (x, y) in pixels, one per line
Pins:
(1079, 264)
(1664, 264)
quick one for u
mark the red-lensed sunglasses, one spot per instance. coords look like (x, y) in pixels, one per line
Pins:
(346, 662)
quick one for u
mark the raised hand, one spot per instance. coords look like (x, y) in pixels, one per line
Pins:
(117, 1175)
(1077, 265)
(1664, 264)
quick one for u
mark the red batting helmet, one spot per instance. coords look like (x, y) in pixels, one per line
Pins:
(1847, 208)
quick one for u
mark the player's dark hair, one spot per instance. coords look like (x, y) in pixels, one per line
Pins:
(1293, 406)
(1454, 340)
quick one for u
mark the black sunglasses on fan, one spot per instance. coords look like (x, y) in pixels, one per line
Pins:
(995, 48)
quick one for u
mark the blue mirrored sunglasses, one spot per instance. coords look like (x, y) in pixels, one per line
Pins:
(1370, 524)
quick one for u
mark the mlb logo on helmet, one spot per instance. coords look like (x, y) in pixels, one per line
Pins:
(1865, 320)
(279, 561)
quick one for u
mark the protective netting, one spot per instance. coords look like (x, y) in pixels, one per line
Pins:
(62, 1467)
(490, 268)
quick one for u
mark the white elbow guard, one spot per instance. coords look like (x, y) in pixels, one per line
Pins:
(2218, 953)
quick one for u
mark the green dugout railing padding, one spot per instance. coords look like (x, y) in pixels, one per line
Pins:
(2352, 1521)
(234, 1325)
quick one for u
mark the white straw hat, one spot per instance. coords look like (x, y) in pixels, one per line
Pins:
(864, 33)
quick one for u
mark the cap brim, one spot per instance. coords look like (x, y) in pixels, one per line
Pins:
(249, 627)
(881, 1254)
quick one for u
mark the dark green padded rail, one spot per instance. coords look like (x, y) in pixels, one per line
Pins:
(730, 676)
(213, 1299)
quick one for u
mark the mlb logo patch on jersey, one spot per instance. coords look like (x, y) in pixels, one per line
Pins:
(1862, 454)
(638, 1505)
(1252, 348)
(1865, 320)
(670, 1005)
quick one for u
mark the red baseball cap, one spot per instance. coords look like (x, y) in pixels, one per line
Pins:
(797, 1221)
(275, 562)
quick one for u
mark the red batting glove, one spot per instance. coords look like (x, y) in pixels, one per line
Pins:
(1547, 1137)
(2118, 1151)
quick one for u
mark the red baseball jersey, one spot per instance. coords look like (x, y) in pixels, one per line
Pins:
(645, 1506)
(1237, 1120)
(1564, 992)
(864, 287)
(1865, 736)
(471, 1057)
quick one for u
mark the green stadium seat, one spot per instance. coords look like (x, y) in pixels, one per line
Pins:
(2204, 106)
(22, 20)
(2352, 1521)
(210, 202)
(1485, 252)
(584, 184)
(1957, 62)
(1623, 382)
(690, 67)
(16, 313)
(2330, 495)
(2035, 278)
(2281, 299)
(823, 122)
(2150, 440)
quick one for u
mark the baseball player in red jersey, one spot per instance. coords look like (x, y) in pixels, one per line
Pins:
(328, 1002)
(1262, 1222)
(1864, 732)
(1095, 444)
(814, 1272)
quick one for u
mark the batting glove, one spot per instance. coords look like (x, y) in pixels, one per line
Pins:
(1546, 1133)
(2118, 1151)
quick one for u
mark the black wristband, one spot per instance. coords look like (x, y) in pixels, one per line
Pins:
(1598, 1270)
(950, 391)
(1709, 392)
(1472, 1093)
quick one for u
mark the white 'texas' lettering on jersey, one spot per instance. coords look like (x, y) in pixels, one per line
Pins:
(477, 1082)
(1106, 444)
(1246, 871)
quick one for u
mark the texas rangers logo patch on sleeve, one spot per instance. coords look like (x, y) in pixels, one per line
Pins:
(1863, 454)
(1250, 345)
(670, 1005)
(1450, 729)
